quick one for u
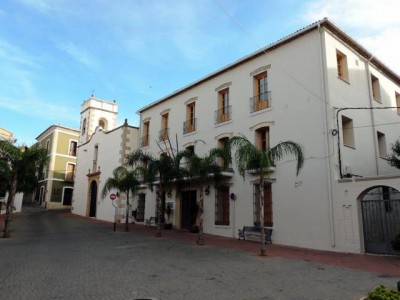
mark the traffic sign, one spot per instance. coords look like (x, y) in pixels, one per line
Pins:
(113, 196)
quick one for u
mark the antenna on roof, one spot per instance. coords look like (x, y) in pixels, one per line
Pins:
(93, 93)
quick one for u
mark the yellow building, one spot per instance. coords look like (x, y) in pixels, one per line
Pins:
(6, 135)
(56, 187)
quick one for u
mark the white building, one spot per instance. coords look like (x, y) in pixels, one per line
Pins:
(103, 147)
(317, 87)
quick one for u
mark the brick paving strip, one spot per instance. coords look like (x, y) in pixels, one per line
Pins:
(384, 266)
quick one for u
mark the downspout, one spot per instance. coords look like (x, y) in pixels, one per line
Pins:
(326, 143)
(140, 130)
(371, 97)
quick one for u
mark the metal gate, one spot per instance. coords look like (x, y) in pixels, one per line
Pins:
(381, 219)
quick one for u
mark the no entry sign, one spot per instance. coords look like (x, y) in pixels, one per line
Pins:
(113, 196)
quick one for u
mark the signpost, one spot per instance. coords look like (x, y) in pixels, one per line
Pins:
(113, 197)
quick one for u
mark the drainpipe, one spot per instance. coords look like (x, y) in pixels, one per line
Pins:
(326, 143)
(371, 99)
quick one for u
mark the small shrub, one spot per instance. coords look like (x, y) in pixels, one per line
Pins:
(396, 243)
(382, 293)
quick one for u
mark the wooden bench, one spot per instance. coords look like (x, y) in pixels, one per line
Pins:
(151, 222)
(252, 231)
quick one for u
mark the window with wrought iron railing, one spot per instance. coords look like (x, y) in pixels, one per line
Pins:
(223, 114)
(189, 126)
(222, 206)
(163, 134)
(144, 141)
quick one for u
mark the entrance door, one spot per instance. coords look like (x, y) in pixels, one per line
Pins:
(381, 219)
(140, 208)
(67, 198)
(93, 199)
(267, 205)
(189, 209)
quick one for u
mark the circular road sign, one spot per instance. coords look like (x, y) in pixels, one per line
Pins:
(113, 196)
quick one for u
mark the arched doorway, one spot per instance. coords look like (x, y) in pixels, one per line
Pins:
(93, 199)
(380, 208)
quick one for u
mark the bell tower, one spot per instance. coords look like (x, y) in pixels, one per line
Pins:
(97, 113)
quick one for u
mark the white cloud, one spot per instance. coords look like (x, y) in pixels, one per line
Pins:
(363, 15)
(385, 47)
(14, 55)
(375, 24)
(43, 6)
(79, 54)
(17, 87)
(39, 109)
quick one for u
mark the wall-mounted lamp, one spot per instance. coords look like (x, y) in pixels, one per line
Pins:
(233, 196)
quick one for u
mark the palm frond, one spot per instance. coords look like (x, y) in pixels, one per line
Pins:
(247, 156)
(287, 148)
(123, 180)
(139, 157)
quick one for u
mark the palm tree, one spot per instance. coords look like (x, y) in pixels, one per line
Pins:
(203, 169)
(124, 181)
(166, 171)
(24, 165)
(5, 177)
(249, 157)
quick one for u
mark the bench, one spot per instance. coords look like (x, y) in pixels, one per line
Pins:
(151, 222)
(252, 231)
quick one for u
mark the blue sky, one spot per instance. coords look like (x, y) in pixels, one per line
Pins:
(55, 53)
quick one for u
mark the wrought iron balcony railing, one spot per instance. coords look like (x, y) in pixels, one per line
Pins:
(69, 176)
(223, 114)
(163, 134)
(144, 141)
(261, 101)
(189, 126)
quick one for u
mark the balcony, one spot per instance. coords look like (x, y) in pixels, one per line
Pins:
(260, 102)
(163, 134)
(189, 126)
(223, 114)
(144, 141)
(69, 176)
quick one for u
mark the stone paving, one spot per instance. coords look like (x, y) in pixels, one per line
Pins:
(51, 256)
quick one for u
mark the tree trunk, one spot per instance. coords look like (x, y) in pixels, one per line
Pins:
(263, 248)
(159, 223)
(10, 202)
(127, 212)
(200, 240)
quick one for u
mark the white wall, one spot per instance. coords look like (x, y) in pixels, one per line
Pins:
(109, 157)
(17, 203)
(306, 92)
(294, 81)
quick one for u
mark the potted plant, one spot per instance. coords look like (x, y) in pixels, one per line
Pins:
(383, 293)
(168, 211)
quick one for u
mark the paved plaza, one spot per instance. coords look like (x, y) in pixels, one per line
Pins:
(54, 255)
